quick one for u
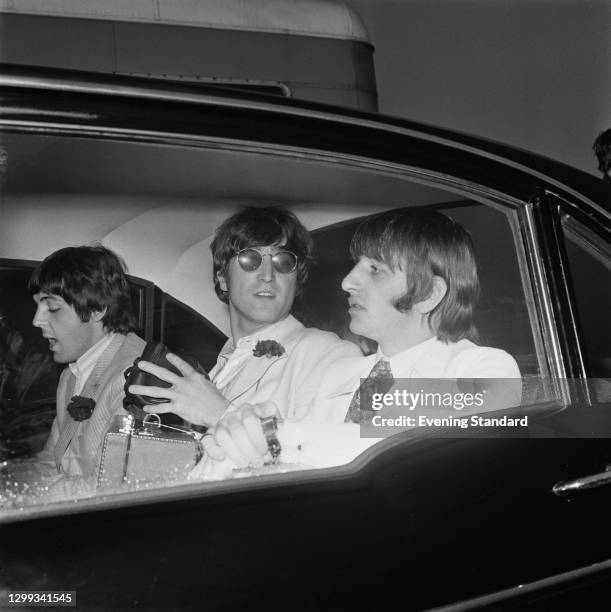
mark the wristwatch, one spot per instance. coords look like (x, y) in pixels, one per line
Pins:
(270, 430)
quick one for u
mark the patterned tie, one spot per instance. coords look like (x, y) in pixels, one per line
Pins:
(379, 380)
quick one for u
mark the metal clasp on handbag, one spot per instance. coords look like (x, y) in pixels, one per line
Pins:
(128, 424)
(148, 422)
(152, 422)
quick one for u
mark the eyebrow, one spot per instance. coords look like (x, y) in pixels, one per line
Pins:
(272, 247)
(46, 297)
(378, 262)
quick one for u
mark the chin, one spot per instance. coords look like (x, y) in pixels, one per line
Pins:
(268, 317)
(356, 329)
(59, 358)
(271, 317)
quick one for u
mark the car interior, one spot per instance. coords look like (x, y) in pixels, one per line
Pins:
(157, 206)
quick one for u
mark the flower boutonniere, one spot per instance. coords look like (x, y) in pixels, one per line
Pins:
(268, 348)
(80, 408)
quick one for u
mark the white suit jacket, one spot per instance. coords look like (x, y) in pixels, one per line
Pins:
(291, 380)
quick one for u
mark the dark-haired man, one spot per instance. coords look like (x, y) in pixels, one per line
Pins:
(602, 150)
(412, 289)
(83, 309)
(261, 258)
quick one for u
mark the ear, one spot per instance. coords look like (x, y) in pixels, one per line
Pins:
(222, 281)
(438, 292)
(97, 315)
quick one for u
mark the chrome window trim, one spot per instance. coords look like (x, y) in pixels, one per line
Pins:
(546, 337)
(538, 298)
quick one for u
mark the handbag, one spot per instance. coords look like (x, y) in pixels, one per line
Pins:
(139, 449)
(140, 453)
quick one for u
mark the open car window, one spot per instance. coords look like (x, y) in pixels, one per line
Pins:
(158, 205)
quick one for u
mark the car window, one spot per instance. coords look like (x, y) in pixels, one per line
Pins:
(158, 206)
(590, 265)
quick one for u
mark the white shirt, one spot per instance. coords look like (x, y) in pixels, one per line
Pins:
(83, 366)
(404, 364)
(429, 359)
(232, 358)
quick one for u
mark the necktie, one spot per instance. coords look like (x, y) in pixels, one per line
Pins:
(379, 380)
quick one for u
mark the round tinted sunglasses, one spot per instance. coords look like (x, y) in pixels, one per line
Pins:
(250, 260)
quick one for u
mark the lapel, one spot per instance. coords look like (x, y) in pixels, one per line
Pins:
(101, 374)
(95, 384)
(70, 426)
(256, 368)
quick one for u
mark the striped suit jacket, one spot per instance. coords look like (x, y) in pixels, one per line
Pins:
(74, 448)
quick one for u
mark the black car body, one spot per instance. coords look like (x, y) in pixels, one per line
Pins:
(420, 518)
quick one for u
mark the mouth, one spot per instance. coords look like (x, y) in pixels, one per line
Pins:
(52, 341)
(354, 306)
(265, 294)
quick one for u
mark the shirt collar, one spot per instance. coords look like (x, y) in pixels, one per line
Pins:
(404, 362)
(86, 362)
(276, 331)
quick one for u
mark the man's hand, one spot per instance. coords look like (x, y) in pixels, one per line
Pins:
(240, 437)
(192, 397)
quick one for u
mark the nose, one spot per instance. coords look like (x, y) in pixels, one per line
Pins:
(266, 269)
(38, 320)
(350, 282)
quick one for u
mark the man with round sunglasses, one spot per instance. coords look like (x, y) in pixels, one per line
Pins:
(261, 257)
(283, 262)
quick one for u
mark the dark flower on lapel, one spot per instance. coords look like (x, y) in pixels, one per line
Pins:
(80, 408)
(268, 348)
